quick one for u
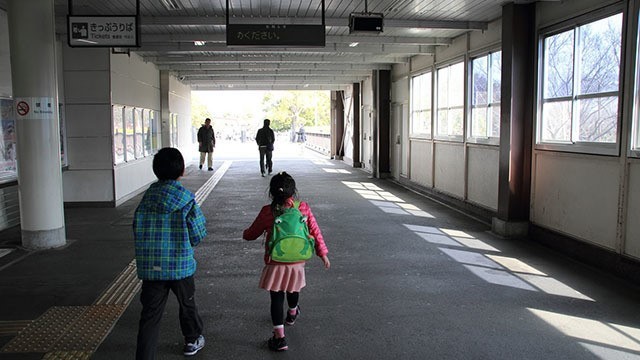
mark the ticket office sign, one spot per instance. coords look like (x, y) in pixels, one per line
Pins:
(102, 31)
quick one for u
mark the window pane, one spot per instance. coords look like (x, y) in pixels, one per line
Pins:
(494, 126)
(137, 123)
(421, 104)
(118, 134)
(155, 130)
(480, 81)
(558, 65)
(443, 88)
(556, 121)
(8, 138)
(456, 85)
(600, 55)
(598, 119)
(442, 124)
(496, 76)
(479, 123)
(456, 117)
(146, 129)
(129, 130)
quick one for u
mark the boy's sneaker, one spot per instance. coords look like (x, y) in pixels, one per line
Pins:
(291, 319)
(193, 348)
(277, 344)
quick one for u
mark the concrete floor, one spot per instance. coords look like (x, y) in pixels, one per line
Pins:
(410, 278)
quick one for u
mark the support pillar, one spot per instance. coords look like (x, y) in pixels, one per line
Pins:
(337, 125)
(516, 124)
(35, 92)
(357, 162)
(381, 126)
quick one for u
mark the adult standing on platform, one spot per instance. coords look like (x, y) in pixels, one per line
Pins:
(206, 143)
(265, 140)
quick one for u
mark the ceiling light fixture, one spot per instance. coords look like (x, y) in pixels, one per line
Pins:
(354, 44)
(199, 43)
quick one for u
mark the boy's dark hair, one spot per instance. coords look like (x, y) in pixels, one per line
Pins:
(168, 164)
(281, 187)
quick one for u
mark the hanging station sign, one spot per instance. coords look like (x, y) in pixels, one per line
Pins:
(275, 35)
(103, 31)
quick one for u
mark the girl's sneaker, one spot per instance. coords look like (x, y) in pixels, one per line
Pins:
(291, 319)
(277, 344)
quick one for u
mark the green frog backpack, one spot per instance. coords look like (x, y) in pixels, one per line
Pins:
(290, 239)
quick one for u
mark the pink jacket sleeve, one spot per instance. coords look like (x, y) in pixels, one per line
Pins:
(262, 224)
(314, 229)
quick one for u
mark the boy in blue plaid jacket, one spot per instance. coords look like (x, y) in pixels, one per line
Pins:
(167, 225)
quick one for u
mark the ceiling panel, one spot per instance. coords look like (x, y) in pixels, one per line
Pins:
(169, 29)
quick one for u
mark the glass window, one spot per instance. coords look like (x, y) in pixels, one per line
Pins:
(154, 121)
(580, 87)
(485, 97)
(421, 105)
(129, 153)
(119, 139)
(146, 132)
(173, 130)
(137, 139)
(8, 165)
(450, 101)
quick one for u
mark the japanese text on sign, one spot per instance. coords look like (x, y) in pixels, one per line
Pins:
(97, 31)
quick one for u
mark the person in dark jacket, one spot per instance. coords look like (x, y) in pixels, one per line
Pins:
(265, 139)
(206, 143)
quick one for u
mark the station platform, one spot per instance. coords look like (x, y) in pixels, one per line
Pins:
(410, 278)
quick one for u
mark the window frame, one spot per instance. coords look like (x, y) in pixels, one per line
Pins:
(577, 146)
(418, 135)
(436, 94)
(487, 140)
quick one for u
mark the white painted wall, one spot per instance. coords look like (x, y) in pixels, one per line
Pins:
(632, 239)
(482, 186)
(180, 103)
(133, 83)
(441, 166)
(577, 195)
(87, 104)
(421, 164)
(449, 169)
(5, 61)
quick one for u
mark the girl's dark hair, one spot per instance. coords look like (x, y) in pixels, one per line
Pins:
(281, 187)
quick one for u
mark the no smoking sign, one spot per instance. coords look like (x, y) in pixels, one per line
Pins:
(22, 108)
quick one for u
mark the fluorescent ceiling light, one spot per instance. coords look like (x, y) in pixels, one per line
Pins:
(354, 44)
(199, 43)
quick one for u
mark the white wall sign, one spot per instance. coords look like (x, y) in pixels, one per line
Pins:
(35, 108)
(102, 31)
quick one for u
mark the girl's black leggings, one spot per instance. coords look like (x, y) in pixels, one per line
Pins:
(277, 304)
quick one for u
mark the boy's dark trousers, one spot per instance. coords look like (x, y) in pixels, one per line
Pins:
(153, 298)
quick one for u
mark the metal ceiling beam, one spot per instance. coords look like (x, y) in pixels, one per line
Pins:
(260, 73)
(347, 39)
(343, 22)
(273, 66)
(281, 79)
(240, 87)
(329, 48)
(276, 58)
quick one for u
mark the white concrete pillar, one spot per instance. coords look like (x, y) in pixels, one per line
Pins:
(35, 93)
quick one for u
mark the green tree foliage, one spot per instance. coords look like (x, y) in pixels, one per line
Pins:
(199, 110)
(291, 109)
